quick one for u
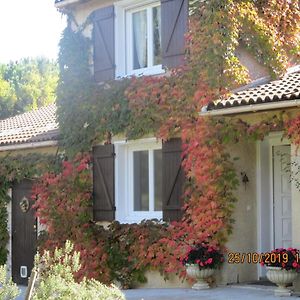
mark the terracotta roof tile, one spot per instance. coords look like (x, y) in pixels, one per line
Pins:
(34, 126)
(287, 88)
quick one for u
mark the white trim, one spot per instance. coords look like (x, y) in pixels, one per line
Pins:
(259, 201)
(29, 145)
(275, 139)
(123, 179)
(266, 233)
(137, 142)
(151, 179)
(123, 38)
(250, 108)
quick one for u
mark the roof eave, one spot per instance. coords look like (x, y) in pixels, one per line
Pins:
(65, 3)
(250, 108)
(22, 146)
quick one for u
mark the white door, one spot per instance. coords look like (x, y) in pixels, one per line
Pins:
(282, 196)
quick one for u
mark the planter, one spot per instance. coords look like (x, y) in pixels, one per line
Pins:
(194, 272)
(282, 278)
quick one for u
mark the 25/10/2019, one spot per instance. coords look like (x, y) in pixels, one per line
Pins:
(256, 258)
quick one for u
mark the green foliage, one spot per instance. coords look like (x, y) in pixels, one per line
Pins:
(7, 98)
(100, 110)
(27, 84)
(8, 289)
(56, 278)
(4, 236)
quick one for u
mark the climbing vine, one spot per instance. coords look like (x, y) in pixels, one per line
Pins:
(165, 107)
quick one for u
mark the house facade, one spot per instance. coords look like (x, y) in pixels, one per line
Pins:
(143, 179)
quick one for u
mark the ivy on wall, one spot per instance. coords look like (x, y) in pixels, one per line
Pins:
(168, 106)
(99, 110)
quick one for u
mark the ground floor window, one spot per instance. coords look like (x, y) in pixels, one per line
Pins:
(138, 180)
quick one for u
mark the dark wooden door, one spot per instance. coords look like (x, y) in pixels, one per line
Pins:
(24, 234)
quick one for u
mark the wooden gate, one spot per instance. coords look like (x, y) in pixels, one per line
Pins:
(24, 232)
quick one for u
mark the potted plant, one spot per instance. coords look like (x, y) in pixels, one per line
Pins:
(201, 261)
(282, 268)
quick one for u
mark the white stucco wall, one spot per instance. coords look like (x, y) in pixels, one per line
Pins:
(244, 236)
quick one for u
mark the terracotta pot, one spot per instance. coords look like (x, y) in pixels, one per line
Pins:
(282, 278)
(194, 272)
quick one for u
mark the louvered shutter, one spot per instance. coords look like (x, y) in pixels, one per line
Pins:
(103, 183)
(174, 19)
(104, 43)
(173, 179)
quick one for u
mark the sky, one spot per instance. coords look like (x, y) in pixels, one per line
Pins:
(29, 28)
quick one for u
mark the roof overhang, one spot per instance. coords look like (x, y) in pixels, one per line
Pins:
(65, 3)
(15, 147)
(250, 108)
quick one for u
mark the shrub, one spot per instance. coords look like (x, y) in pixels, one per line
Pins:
(207, 257)
(8, 289)
(56, 278)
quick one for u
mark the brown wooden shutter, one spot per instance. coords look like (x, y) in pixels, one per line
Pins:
(174, 20)
(104, 43)
(103, 183)
(173, 179)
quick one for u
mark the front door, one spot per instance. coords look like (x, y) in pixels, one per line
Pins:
(282, 196)
(24, 234)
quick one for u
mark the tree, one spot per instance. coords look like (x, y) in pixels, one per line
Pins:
(27, 84)
(7, 98)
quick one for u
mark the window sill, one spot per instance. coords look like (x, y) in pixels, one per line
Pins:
(157, 70)
(139, 217)
(138, 221)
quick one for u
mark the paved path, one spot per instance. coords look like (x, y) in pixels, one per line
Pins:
(220, 293)
(235, 292)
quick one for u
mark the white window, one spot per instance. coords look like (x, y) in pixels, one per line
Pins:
(138, 38)
(138, 181)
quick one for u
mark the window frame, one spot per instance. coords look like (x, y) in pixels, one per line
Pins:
(123, 38)
(124, 180)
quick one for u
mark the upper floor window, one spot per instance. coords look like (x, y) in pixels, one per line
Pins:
(143, 38)
(138, 37)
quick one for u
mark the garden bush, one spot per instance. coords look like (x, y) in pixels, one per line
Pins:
(8, 289)
(56, 279)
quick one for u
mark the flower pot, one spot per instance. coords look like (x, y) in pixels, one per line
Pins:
(282, 278)
(194, 272)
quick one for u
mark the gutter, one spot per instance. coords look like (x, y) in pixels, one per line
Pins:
(65, 3)
(249, 108)
(28, 145)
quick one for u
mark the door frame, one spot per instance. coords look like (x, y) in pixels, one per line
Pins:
(265, 191)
